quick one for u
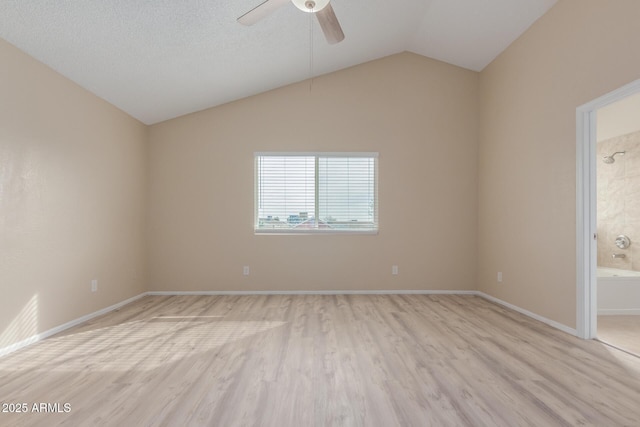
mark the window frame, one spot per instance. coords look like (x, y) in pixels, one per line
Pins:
(317, 154)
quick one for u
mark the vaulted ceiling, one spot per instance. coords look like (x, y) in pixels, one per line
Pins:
(159, 59)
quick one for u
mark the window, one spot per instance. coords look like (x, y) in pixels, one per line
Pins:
(316, 192)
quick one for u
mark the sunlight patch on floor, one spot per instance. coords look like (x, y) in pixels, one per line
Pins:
(138, 345)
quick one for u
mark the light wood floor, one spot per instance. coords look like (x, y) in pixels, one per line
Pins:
(349, 360)
(621, 331)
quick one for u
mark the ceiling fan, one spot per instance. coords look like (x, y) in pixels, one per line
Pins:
(321, 8)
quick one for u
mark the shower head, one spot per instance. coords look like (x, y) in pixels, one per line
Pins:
(610, 159)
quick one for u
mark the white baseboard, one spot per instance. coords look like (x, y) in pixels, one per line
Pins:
(553, 323)
(320, 292)
(619, 312)
(46, 334)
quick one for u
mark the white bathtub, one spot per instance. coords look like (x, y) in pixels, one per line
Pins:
(618, 291)
(616, 272)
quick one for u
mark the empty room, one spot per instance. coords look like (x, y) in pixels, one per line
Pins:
(294, 213)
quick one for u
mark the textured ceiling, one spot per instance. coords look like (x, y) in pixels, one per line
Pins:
(159, 59)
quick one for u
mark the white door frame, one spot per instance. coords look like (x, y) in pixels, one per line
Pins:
(586, 225)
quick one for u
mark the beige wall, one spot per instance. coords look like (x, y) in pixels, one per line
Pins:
(578, 51)
(620, 118)
(72, 186)
(419, 114)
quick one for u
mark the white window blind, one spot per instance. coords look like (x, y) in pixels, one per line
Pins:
(316, 192)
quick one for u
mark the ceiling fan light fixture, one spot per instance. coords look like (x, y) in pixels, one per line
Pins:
(310, 6)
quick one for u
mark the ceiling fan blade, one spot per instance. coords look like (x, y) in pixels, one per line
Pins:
(330, 25)
(260, 11)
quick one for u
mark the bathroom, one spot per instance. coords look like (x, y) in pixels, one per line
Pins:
(618, 224)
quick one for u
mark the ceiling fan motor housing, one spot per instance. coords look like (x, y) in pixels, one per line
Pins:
(310, 5)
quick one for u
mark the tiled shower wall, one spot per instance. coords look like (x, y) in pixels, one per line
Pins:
(619, 201)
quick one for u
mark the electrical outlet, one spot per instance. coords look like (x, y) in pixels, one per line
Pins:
(394, 270)
(245, 270)
(499, 276)
(94, 285)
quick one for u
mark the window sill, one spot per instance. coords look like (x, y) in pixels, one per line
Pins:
(282, 232)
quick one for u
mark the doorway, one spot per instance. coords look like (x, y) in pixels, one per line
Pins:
(589, 237)
(618, 223)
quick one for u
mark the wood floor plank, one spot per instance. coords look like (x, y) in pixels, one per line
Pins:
(321, 360)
